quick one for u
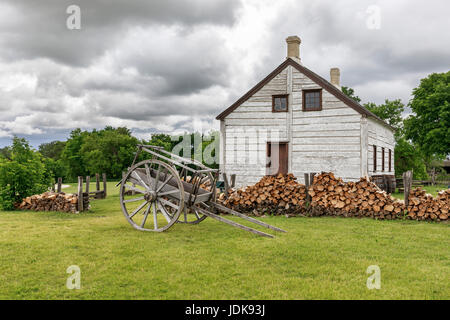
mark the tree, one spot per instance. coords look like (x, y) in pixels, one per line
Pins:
(349, 92)
(23, 175)
(391, 111)
(52, 149)
(409, 157)
(108, 151)
(71, 154)
(429, 126)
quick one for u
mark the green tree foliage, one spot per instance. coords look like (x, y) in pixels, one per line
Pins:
(108, 151)
(349, 92)
(22, 175)
(52, 149)
(71, 155)
(409, 157)
(390, 111)
(429, 126)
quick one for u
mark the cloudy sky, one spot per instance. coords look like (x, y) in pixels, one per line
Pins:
(172, 66)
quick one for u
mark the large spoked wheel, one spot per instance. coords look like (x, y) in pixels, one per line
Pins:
(191, 215)
(152, 196)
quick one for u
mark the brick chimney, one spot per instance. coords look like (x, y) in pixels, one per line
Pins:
(335, 77)
(293, 48)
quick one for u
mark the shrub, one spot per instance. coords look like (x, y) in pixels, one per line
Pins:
(22, 173)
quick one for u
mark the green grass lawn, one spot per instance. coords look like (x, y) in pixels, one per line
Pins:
(319, 258)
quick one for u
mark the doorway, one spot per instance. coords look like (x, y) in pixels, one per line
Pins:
(277, 158)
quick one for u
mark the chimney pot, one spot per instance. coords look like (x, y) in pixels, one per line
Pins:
(335, 77)
(293, 48)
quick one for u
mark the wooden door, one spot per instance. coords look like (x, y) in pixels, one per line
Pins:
(277, 158)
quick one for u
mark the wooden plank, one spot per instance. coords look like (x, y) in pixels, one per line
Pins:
(80, 194)
(232, 223)
(104, 184)
(238, 214)
(97, 182)
(308, 197)
(88, 180)
(59, 185)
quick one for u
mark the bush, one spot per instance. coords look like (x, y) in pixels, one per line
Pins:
(22, 174)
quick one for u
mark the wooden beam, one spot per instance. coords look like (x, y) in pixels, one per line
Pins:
(88, 180)
(80, 194)
(104, 184)
(59, 185)
(238, 214)
(232, 223)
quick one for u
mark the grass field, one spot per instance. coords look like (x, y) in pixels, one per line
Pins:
(319, 258)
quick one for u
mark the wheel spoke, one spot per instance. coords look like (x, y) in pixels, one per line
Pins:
(147, 172)
(164, 183)
(137, 176)
(157, 177)
(164, 212)
(170, 204)
(134, 189)
(196, 214)
(185, 214)
(138, 209)
(133, 200)
(155, 218)
(145, 216)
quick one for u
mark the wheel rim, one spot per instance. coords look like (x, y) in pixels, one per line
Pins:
(152, 196)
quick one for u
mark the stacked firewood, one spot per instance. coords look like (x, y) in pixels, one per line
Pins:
(423, 206)
(332, 196)
(52, 201)
(280, 194)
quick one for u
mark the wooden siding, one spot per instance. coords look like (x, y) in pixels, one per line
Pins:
(380, 136)
(325, 140)
(337, 138)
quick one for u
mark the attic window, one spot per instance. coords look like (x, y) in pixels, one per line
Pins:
(312, 100)
(280, 103)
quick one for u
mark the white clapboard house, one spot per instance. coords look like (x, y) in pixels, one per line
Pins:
(295, 121)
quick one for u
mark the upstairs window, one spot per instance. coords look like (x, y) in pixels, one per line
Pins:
(280, 103)
(382, 159)
(312, 100)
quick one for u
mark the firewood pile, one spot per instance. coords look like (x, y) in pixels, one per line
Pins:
(281, 194)
(52, 201)
(423, 206)
(333, 196)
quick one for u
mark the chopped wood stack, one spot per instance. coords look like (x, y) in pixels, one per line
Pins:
(52, 201)
(423, 206)
(332, 196)
(280, 194)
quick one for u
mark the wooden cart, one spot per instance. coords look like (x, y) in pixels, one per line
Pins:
(154, 193)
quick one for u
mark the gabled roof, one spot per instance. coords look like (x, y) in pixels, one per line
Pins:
(314, 77)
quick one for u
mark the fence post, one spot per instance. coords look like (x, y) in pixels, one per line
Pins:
(97, 182)
(88, 180)
(308, 198)
(225, 182)
(59, 185)
(407, 182)
(233, 180)
(80, 193)
(104, 184)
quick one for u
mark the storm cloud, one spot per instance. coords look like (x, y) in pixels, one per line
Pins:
(172, 66)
